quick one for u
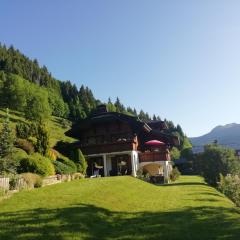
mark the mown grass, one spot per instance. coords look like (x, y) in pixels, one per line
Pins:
(120, 208)
(55, 126)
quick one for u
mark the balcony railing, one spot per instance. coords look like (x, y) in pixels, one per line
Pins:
(108, 147)
(154, 156)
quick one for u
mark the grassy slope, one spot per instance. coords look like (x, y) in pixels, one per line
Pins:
(56, 133)
(120, 208)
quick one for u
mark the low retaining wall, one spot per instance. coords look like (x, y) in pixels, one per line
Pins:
(4, 183)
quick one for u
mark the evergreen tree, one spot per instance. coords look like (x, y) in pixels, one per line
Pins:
(80, 161)
(110, 106)
(7, 163)
(119, 106)
(42, 144)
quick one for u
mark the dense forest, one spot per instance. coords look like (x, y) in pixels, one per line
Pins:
(28, 87)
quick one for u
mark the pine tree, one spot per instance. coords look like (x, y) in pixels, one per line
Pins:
(42, 144)
(7, 164)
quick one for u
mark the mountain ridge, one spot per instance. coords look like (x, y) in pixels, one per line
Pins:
(227, 135)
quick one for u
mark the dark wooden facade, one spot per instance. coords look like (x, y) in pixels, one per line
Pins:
(111, 132)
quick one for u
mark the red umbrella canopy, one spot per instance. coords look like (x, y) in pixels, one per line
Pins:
(154, 143)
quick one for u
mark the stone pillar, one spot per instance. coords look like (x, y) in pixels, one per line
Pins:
(105, 165)
(133, 162)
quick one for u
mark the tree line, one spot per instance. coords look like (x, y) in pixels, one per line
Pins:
(30, 88)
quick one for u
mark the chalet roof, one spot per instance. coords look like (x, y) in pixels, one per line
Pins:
(139, 127)
(135, 123)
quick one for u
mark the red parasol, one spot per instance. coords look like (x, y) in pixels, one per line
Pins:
(154, 143)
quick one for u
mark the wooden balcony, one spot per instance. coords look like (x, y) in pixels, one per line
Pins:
(108, 147)
(154, 156)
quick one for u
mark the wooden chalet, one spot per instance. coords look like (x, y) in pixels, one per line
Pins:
(115, 144)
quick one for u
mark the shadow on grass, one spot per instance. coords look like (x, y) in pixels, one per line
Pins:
(91, 222)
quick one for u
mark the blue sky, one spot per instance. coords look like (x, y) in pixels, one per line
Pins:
(177, 59)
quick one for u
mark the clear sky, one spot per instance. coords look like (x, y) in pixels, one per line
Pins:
(177, 59)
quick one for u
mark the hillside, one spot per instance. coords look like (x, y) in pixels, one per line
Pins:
(227, 135)
(56, 129)
(133, 209)
(27, 86)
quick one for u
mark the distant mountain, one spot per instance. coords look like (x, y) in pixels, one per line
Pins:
(227, 135)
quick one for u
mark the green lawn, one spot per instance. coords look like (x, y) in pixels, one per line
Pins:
(120, 208)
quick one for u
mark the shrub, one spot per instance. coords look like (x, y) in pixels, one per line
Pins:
(36, 164)
(53, 154)
(61, 168)
(143, 175)
(216, 160)
(63, 165)
(32, 180)
(175, 174)
(18, 155)
(25, 145)
(230, 186)
(22, 130)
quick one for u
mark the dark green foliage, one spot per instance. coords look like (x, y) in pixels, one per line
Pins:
(42, 144)
(12, 61)
(144, 116)
(58, 106)
(80, 161)
(7, 163)
(119, 106)
(65, 165)
(37, 107)
(216, 160)
(80, 103)
(175, 174)
(13, 92)
(175, 154)
(23, 130)
(61, 168)
(36, 164)
(37, 130)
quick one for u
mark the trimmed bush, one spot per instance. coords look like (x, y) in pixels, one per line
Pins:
(64, 165)
(32, 180)
(61, 168)
(175, 174)
(25, 145)
(18, 154)
(36, 164)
